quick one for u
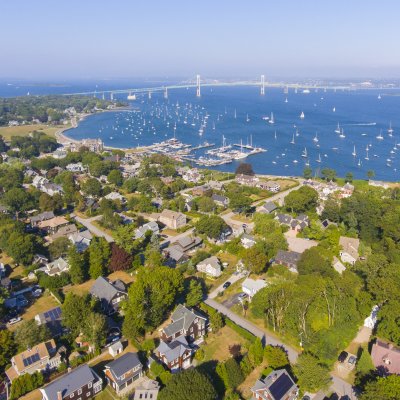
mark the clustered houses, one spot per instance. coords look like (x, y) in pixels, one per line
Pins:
(252, 180)
(179, 251)
(296, 224)
(330, 188)
(45, 186)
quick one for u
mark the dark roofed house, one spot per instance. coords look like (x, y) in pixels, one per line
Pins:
(44, 216)
(52, 319)
(175, 355)
(268, 207)
(82, 382)
(288, 258)
(186, 322)
(296, 224)
(188, 243)
(222, 201)
(278, 385)
(123, 372)
(109, 293)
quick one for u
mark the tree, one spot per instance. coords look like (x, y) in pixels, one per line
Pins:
(195, 293)
(21, 247)
(255, 258)
(276, 357)
(328, 174)
(311, 375)
(77, 266)
(99, 254)
(95, 329)
(59, 247)
(349, 177)
(29, 333)
(216, 320)
(302, 200)
(387, 388)
(115, 177)
(92, 187)
(307, 173)
(240, 202)
(150, 297)
(256, 352)
(313, 262)
(211, 225)
(124, 237)
(370, 174)
(73, 308)
(244, 169)
(231, 373)
(17, 200)
(25, 383)
(364, 365)
(7, 348)
(180, 387)
(120, 260)
(206, 204)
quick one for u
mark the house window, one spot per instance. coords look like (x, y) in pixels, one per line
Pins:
(90, 385)
(97, 389)
(72, 395)
(79, 392)
(87, 394)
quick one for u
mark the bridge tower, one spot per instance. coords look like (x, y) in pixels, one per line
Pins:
(198, 94)
(262, 85)
(166, 93)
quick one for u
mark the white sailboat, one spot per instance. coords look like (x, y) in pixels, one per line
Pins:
(390, 130)
(292, 141)
(342, 135)
(247, 118)
(304, 154)
(275, 135)
(379, 96)
(319, 158)
(337, 130)
(334, 109)
(316, 140)
(302, 115)
(234, 115)
(271, 120)
(359, 163)
(380, 137)
(354, 152)
(367, 156)
(286, 100)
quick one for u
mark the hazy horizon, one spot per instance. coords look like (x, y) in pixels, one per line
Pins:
(98, 40)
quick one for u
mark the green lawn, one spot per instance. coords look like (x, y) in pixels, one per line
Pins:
(24, 130)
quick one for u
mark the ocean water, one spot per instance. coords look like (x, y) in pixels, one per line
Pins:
(361, 114)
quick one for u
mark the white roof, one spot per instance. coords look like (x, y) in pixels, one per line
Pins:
(254, 285)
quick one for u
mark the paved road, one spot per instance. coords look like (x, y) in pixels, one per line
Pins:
(232, 279)
(87, 222)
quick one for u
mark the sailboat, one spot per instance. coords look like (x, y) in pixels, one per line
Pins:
(334, 109)
(319, 158)
(271, 120)
(380, 137)
(234, 115)
(286, 100)
(247, 118)
(359, 163)
(379, 96)
(354, 152)
(302, 115)
(390, 130)
(342, 135)
(275, 135)
(304, 154)
(337, 130)
(367, 156)
(316, 140)
(292, 141)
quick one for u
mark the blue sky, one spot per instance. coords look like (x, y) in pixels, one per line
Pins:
(43, 39)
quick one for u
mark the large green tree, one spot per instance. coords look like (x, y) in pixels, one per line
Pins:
(387, 388)
(302, 200)
(211, 225)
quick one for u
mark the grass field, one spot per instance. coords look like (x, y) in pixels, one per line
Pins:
(216, 345)
(8, 131)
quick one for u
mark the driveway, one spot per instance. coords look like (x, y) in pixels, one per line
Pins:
(234, 299)
(300, 245)
(232, 279)
(87, 222)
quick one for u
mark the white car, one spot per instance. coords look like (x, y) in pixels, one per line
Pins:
(13, 321)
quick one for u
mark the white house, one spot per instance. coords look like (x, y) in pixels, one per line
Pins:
(115, 196)
(252, 286)
(75, 167)
(210, 266)
(150, 226)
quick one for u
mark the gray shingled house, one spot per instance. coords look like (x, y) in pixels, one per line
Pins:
(110, 294)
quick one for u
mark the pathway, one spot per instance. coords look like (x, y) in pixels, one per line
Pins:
(87, 222)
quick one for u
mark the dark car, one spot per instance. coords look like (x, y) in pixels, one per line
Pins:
(352, 360)
(226, 285)
(343, 356)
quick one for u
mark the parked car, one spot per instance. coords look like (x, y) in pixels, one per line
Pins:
(13, 321)
(37, 293)
(242, 296)
(226, 285)
(343, 356)
(352, 360)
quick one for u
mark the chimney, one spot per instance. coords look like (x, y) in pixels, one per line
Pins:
(275, 377)
(59, 396)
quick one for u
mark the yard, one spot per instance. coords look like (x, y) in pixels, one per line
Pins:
(34, 395)
(24, 130)
(216, 345)
(85, 287)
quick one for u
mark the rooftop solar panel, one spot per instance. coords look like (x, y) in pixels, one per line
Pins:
(280, 387)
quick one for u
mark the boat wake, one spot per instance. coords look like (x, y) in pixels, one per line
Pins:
(362, 124)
